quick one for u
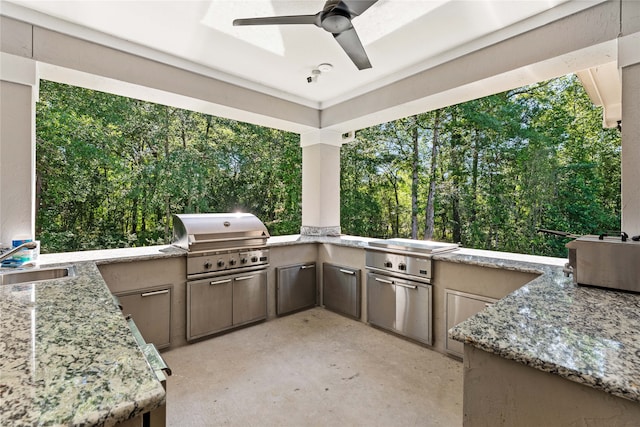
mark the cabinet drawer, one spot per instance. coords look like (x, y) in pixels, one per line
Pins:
(151, 310)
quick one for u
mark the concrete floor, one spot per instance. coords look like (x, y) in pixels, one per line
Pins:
(313, 368)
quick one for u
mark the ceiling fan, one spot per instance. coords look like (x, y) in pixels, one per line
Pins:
(335, 17)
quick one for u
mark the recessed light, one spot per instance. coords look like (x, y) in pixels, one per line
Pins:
(325, 67)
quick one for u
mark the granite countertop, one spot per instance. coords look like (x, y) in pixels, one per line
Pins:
(68, 357)
(586, 335)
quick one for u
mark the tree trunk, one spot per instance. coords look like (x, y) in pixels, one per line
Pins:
(414, 182)
(474, 177)
(455, 192)
(396, 227)
(430, 209)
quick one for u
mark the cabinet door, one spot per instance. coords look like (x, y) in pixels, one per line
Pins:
(209, 306)
(249, 297)
(341, 289)
(151, 310)
(413, 310)
(296, 288)
(381, 301)
(459, 306)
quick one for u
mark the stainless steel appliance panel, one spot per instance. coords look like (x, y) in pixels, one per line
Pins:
(249, 297)
(225, 262)
(341, 290)
(459, 306)
(401, 305)
(413, 310)
(212, 231)
(151, 310)
(296, 288)
(400, 263)
(425, 247)
(210, 306)
(381, 301)
(609, 263)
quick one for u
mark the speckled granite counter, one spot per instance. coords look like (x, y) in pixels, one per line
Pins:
(586, 335)
(106, 256)
(67, 357)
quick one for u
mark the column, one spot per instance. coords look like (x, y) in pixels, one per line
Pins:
(18, 95)
(321, 182)
(629, 62)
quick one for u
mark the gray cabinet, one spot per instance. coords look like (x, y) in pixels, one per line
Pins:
(150, 308)
(401, 306)
(296, 288)
(220, 303)
(341, 290)
(459, 306)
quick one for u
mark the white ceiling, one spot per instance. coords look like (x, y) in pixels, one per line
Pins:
(401, 37)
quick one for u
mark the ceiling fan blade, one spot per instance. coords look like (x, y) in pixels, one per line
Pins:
(357, 7)
(351, 44)
(278, 20)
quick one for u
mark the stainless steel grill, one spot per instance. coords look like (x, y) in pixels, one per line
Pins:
(219, 243)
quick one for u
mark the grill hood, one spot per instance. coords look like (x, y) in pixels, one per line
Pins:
(217, 231)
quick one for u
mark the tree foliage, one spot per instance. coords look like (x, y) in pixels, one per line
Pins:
(488, 173)
(111, 170)
(491, 172)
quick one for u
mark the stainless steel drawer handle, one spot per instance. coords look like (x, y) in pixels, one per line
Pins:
(407, 286)
(220, 282)
(150, 294)
(347, 272)
(244, 278)
(304, 267)
(389, 282)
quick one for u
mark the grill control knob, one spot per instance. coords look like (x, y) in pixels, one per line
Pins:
(207, 265)
(220, 263)
(254, 259)
(232, 262)
(388, 264)
(402, 267)
(243, 260)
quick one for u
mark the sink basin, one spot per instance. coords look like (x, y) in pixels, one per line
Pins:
(36, 275)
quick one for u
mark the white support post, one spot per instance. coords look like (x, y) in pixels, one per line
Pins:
(629, 63)
(321, 182)
(18, 95)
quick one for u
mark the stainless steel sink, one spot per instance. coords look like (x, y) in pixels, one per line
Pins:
(36, 275)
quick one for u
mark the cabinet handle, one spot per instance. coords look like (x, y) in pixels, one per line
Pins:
(220, 282)
(149, 294)
(347, 272)
(389, 282)
(245, 278)
(304, 267)
(407, 286)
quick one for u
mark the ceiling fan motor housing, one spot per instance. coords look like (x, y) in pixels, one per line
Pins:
(336, 21)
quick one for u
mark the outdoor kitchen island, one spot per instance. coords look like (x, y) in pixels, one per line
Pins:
(553, 353)
(549, 333)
